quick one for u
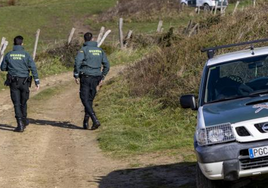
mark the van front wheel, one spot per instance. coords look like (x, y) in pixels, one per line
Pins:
(206, 7)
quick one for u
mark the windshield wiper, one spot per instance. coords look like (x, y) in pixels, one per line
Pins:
(257, 93)
(226, 99)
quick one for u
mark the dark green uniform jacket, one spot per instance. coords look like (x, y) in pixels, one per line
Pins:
(89, 61)
(19, 63)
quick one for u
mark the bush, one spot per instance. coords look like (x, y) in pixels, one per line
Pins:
(64, 52)
(11, 2)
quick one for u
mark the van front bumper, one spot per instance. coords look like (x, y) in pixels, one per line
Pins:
(230, 161)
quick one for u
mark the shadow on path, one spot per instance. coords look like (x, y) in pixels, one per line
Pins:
(163, 176)
(6, 127)
(61, 124)
(178, 175)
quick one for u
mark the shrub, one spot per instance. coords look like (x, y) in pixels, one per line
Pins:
(11, 2)
(64, 52)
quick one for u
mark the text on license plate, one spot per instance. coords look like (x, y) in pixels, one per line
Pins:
(258, 152)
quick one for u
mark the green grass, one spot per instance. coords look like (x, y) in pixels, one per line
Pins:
(147, 27)
(127, 56)
(46, 94)
(242, 4)
(2, 80)
(51, 66)
(139, 125)
(55, 18)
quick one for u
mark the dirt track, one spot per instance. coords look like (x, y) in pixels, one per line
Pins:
(55, 152)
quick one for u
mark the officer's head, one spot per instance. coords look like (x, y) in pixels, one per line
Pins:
(88, 36)
(18, 40)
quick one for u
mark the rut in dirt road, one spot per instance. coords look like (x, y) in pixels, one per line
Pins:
(54, 150)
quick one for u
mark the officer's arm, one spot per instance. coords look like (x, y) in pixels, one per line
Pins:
(106, 65)
(33, 69)
(4, 63)
(78, 61)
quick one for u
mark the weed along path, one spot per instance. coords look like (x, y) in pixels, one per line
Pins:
(55, 151)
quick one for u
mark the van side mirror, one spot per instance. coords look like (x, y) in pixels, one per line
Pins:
(188, 101)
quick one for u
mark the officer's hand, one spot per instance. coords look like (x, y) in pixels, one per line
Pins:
(76, 80)
(37, 87)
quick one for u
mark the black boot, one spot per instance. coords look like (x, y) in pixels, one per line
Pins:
(95, 121)
(25, 121)
(85, 123)
(20, 127)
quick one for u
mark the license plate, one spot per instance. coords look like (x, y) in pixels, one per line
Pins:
(258, 152)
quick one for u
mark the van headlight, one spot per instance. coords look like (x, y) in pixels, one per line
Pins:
(215, 134)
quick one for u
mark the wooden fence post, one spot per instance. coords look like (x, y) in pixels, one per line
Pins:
(36, 43)
(254, 3)
(189, 26)
(193, 29)
(3, 51)
(104, 37)
(102, 30)
(160, 24)
(216, 7)
(2, 43)
(71, 35)
(127, 38)
(236, 5)
(121, 33)
(198, 10)
(221, 7)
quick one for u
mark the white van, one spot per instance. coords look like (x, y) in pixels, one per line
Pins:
(206, 4)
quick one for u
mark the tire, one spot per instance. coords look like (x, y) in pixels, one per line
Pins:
(203, 182)
(206, 7)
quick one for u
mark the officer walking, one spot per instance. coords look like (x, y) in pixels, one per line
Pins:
(91, 66)
(18, 63)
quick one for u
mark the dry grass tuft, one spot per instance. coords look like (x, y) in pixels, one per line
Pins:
(11, 2)
(141, 10)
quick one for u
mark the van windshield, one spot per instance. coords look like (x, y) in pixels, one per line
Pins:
(235, 79)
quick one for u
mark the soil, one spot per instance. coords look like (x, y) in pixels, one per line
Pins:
(54, 151)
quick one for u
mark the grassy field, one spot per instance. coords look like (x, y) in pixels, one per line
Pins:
(55, 18)
(139, 125)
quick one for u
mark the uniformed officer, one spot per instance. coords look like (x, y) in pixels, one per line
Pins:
(18, 63)
(91, 66)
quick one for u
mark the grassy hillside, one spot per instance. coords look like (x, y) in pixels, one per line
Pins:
(55, 18)
(140, 111)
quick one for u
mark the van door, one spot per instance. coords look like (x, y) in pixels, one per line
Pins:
(199, 3)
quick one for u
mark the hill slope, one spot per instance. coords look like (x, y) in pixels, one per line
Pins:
(55, 18)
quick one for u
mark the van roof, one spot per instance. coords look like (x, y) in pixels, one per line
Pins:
(237, 55)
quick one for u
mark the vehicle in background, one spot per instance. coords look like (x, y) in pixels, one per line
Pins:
(205, 4)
